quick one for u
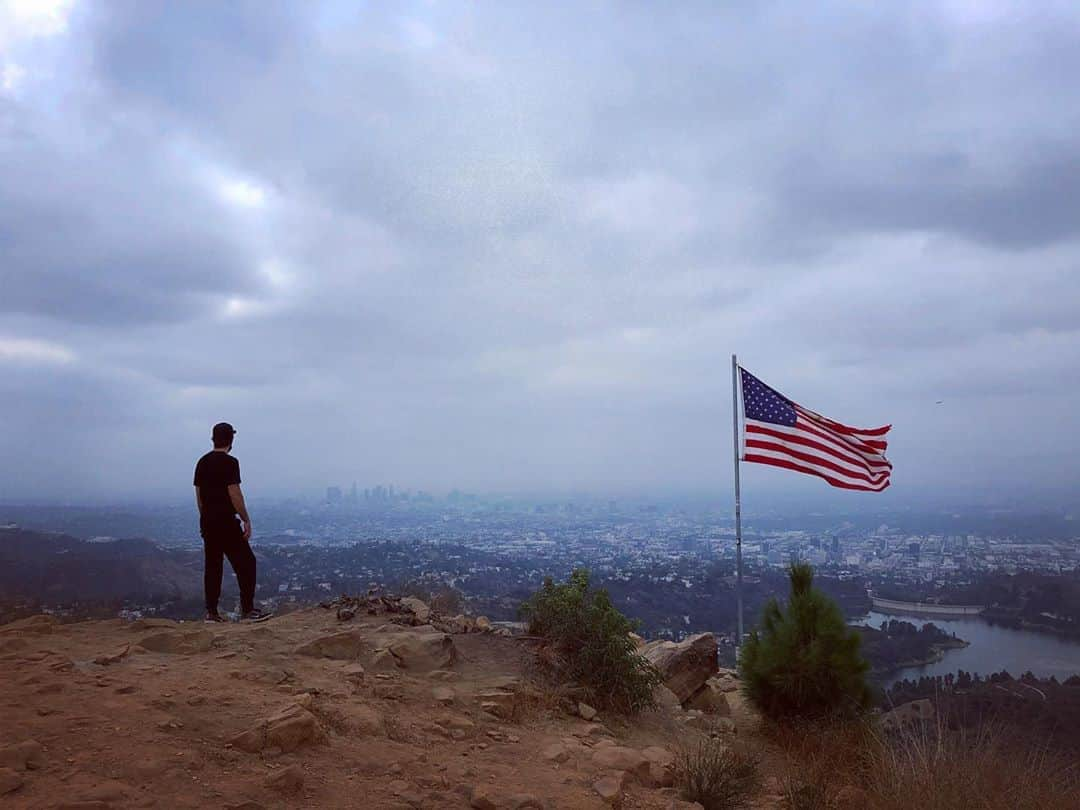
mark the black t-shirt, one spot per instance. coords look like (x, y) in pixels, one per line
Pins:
(213, 475)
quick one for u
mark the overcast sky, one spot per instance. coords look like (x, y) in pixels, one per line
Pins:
(507, 246)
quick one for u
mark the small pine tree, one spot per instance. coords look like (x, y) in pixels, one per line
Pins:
(592, 639)
(804, 662)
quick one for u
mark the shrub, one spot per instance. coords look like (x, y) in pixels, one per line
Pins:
(716, 776)
(804, 661)
(592, 642)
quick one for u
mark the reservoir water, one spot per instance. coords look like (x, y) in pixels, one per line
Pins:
(991, 648)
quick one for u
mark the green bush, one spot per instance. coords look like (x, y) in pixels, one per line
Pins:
(591, 639)
(804, 661)
(715, 776)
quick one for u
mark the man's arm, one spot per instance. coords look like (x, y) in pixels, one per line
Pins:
(237, 498)
(198, 501)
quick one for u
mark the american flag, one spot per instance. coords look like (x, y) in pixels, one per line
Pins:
(779, 432)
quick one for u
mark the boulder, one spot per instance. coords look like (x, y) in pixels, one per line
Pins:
(610, 787)
(585, 711)
(443, 695)
(344, 646)
(25, 756)
(418, 608)
(364, 721)
(289, 729)
(497, 701)
(354, 673)
(483, 624)
(105, 659)
(481, 798)
(684, 665)
(178, 642)
(618, 758)
(666, 699)
(286, 780)
(710, 700)
(421, 649)
(556, 752)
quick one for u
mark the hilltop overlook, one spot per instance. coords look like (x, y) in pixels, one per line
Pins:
(370, 702)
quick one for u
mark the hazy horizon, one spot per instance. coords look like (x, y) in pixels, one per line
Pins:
(511, 247)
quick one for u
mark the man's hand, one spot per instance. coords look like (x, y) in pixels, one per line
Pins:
(247, 530)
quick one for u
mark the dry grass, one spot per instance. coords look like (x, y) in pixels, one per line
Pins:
(935, 769)
(717, 776)
(929, 767)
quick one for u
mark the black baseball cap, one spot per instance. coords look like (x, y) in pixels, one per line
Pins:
(223, 431)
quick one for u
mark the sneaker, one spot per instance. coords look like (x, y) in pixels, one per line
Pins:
(213, 617)
(256, 615)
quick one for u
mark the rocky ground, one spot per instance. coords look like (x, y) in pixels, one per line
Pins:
(365, 703)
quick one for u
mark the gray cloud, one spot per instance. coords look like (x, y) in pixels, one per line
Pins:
(513, 245)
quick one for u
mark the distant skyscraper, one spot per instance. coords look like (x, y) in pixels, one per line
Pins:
(333, 494)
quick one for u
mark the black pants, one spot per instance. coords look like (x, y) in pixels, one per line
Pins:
(227, 540)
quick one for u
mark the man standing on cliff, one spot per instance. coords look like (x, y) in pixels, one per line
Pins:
(220, 502)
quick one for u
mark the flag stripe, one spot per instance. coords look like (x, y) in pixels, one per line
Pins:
(787, 435)
(836, 482)
(781, 433)
(840, 442)
(874, 448)
(816, 460)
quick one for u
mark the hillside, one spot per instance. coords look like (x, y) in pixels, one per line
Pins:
(56, 568)
(362, 706)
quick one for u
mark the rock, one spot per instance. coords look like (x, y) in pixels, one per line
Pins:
(383, 660)
(610, 787)
(25, 756)
(418, 608)
(524, 801)
(343, 646)
(618, 758)
(286, 780)
(685, 665)
(726, 681)
(710, 700)
(666, 699)
(661, 765)
(113, 658)
(592, 731)
(481, 798)
(364, 720)
(175, 642)
(498, 702)
(247, 805)
(354, 673)
(586, 711)
(556, 752)
(421, 649)
(482, 624)
(9, 781)
(443, 695)
(913, 713)
(289, 729)
(639, 642)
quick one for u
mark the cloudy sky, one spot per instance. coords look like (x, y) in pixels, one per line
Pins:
(512, 246)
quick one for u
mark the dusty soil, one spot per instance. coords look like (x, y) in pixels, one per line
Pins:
(120, 725)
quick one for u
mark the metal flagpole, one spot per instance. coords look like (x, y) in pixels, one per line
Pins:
(738, 504)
